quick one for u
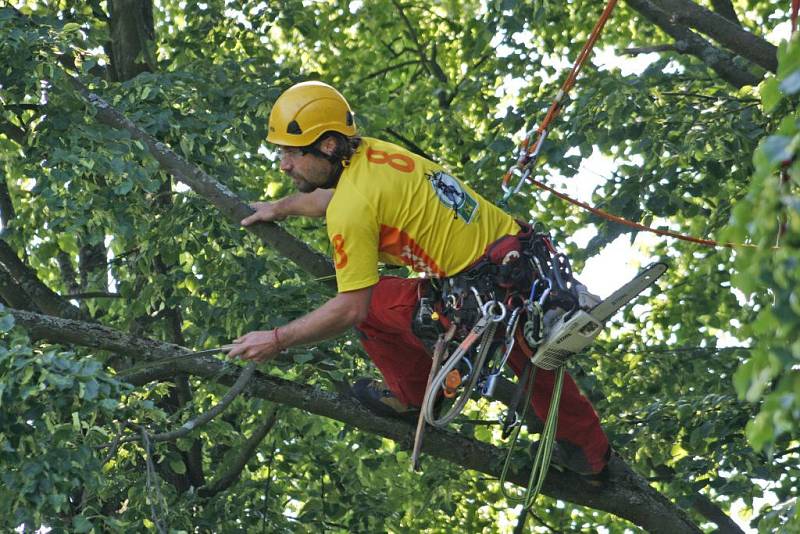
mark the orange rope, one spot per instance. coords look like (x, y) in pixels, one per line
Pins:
(525, 147)
(632, 224)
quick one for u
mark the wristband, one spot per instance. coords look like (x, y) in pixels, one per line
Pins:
(281, 348)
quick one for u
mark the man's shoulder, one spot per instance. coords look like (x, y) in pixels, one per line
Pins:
(380, 152)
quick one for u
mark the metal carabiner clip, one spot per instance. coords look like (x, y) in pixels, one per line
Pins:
(488, 308)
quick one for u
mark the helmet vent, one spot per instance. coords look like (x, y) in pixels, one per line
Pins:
(349, 119)
(293, 128)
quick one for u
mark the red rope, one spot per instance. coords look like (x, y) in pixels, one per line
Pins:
(632, 224)
(795, 9)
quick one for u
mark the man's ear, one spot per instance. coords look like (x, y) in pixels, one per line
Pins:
(328, 145)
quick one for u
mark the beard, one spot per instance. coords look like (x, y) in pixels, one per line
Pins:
(304, 186)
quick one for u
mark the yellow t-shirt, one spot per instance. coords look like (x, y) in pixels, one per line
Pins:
(394, 206)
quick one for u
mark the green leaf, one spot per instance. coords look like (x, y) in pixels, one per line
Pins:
(770, 94)
(303, 358)
(178, 466)
(125, 187)
(6, 323)
(81, 524)
(791, 84)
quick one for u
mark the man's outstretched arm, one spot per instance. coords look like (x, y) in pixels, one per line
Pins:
(329, 320)
(312, 204)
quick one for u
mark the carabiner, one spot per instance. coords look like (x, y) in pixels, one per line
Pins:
(487, 308)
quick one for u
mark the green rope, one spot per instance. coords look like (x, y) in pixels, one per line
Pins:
(544, 451)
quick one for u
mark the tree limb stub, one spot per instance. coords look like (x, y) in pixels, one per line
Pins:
(627, 494)
(212, 190)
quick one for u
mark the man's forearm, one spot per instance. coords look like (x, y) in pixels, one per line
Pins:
(312, 204)
(329, 320)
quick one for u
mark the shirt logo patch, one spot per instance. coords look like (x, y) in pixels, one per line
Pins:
(339, 254)
(453, 195)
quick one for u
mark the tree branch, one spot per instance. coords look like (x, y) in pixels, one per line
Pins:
(704, 505)
(42, 296)
(689, 42)
(649, 49)
(627, 494)
(7, 212)
(430, 62)
(15, 133)
(12, 293)
(725, 8)
(729, 34)
(388, 69)
(409, 144)
(235, 467)
(205, 417)
(215, 192)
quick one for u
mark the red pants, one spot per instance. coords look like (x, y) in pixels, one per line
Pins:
(405, 364)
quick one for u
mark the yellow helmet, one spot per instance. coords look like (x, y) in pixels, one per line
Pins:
(307, 110)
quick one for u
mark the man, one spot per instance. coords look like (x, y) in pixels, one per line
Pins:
(384, 203)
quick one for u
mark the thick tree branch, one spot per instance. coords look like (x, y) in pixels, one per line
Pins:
(727, 33)
(7, 212)
(689, 42)
(216, 193)
(627, 494)
(237, 464)
(725, 8)
(42, 296)
(15, 133)
(706, 508)
(12, 293)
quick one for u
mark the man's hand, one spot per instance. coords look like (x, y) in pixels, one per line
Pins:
(265, 211)
(586, 300)
(258, 346)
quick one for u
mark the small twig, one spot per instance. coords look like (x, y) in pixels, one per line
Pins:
(93, 295)
(389, 69)
(409, 144)
(649, 49)
(115, 444)
(709, 97)
(151, 483)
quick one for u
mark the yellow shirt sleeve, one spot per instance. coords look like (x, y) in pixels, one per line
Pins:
(354, 234)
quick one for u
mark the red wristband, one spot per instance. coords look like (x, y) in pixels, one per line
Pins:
(277, 340)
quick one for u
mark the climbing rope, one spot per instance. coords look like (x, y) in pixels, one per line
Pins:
(544, 450)
(528, 154)
(632, 224)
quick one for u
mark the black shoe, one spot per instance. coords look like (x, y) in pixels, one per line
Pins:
(571, 458)
(375, 396)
